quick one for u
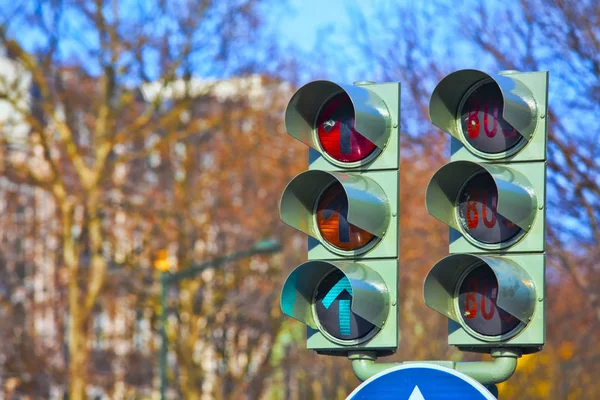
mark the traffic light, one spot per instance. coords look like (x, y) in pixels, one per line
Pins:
(347, 204)
(492, 197)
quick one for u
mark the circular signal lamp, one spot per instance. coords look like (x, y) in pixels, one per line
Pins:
(482, 124)
(332, 222)
(333, 299)
(336, 132)
(477, 304)
(478, 215)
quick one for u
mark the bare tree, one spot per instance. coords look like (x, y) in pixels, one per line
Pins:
(76, 90)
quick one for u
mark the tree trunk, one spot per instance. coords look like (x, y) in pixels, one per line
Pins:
(78, 352)
(81, 307)
(79, 355)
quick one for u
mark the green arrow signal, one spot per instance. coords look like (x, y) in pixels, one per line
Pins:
(343, 305)
(336, 290)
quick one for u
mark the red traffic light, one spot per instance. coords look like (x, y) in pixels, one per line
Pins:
(350, 126)
(337, 134)
(482, 124)
(477, 303)
(478, 215)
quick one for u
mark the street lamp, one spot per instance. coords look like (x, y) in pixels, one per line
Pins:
(264, 246)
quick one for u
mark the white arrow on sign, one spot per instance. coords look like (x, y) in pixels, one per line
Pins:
(416, 394)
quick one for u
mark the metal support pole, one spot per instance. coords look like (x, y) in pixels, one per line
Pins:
(265, 246)
(162, 359)
(484, 372)
(260, 247)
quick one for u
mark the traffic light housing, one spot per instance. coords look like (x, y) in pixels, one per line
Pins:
(492, 197)
(347, 204)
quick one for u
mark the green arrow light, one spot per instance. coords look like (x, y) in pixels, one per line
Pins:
(336, 290)
(344, 310)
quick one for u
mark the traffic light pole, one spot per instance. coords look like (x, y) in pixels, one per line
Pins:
(162, 357)
(500, 369)
(261, 247)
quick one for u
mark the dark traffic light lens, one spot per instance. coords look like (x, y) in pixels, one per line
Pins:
(477, 213)
(477, 304)
(337, 136)
(482, 124)
(332, 214)
(333, 308)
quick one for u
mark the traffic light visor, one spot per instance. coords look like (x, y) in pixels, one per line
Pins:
(332, 220)
(491, 114)
(319, 283)
(491, 296)
(348, 124)
(346, 211)
(488, 203)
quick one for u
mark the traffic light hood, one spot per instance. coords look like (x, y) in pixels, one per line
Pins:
(519, 106)
(517, 199)
(368, 205)
(370, 295)
(371, 115)
(516, 289)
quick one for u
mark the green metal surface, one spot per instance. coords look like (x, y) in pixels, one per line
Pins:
(267, 246)
(500, 369)
(520, 108)
(372, 205)
(371, 188)
(264, 246)
(519, 175)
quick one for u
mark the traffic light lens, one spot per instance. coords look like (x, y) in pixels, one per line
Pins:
(333, 301)
(337, 136)
(482, 124)
(477, 203)
(477, 298)
(332, 214)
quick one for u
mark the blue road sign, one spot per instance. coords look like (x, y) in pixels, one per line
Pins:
(421, 382)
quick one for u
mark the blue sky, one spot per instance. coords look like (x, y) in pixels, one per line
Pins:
(300, 23)
(295, 24)
(303, 19)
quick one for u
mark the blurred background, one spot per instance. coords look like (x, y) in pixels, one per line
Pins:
(139, 137)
